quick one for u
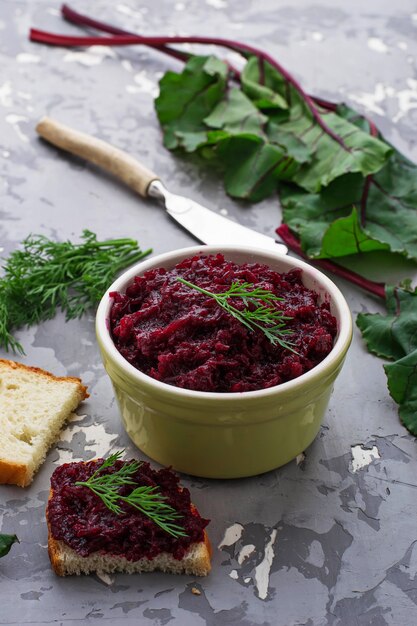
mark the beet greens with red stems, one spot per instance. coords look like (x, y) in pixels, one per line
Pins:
(343, 189)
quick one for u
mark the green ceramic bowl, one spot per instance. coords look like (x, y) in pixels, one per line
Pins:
(225, 435)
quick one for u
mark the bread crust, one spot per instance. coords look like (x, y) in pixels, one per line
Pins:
(54, 554)
(200, 566)
(82, 389)
(14, 473)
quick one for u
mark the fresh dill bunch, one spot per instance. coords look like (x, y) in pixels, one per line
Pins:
(259, 312)
(145, 499)
(45, 276)
(6, 338)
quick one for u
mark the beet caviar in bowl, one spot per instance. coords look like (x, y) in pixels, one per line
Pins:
(205, 392)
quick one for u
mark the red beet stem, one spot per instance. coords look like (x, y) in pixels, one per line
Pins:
(127, 40)
(377, 289)
(364, 200)
(83, 20)
(373, 131)
(326, 104)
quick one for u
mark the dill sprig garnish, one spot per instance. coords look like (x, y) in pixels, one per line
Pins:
(45, 276)
(148, 500)
(259, 312)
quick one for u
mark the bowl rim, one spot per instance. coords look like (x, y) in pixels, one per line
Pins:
(339, 348)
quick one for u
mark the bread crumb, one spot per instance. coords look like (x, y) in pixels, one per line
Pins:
(195, 591)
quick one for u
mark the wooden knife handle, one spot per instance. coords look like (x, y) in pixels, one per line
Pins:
(99, 152)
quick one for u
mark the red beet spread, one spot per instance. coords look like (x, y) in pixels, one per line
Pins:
(79, 518)
(184, 338)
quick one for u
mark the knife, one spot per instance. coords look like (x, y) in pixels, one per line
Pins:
(206, 225)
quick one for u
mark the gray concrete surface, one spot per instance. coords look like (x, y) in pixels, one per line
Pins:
(328, 541)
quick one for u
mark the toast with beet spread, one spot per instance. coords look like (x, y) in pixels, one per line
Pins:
(85, 536)
(34, 406)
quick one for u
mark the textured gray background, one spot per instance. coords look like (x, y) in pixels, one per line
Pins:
(327, 542)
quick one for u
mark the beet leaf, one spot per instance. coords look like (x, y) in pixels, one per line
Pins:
(375, 288)
(196, 92)
(364, 153)
(394, 337)
(6, 542)
(252, 166)
(268, 131)
(402, 385)
(356, 214)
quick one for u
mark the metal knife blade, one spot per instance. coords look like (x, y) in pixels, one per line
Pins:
(206, 225)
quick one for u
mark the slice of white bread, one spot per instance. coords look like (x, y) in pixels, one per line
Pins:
(34, 406)
(65, 561)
